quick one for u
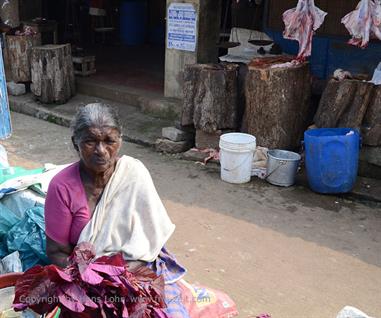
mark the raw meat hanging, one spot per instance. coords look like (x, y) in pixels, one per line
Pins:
(364, 22)
(301, 23)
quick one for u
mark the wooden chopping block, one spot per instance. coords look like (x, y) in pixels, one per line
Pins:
(277, 102)
(53, 73)
(211, 96)
(344, 104)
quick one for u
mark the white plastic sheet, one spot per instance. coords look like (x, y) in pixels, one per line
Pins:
(4, 164)
(246, 51)
(351, 312)
(11, 263)
(376, 80)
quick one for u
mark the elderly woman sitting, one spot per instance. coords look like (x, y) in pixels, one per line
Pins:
(111, 202)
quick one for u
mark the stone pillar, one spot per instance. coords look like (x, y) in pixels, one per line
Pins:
(206, 51)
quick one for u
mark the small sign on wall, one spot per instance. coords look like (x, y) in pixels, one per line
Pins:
(182, 27)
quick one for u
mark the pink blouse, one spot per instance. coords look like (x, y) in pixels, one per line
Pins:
(66, 207)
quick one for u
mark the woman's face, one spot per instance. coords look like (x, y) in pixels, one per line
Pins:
(99, 148)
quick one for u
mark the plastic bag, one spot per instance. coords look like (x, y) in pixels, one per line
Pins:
(21, 201)
(17, 173)
(351, 312)
(3, 158)
(259, 166)
(7, 220)
(21, 178)
(205, 302)
(5, 169)
(28, 237)
(11, 263)
(376, 79)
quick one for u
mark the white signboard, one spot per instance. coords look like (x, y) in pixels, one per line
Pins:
(182, 27)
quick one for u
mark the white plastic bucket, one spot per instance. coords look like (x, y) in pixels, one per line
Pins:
(236, 157)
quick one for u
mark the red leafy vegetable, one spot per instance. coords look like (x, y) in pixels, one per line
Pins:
(91, 287)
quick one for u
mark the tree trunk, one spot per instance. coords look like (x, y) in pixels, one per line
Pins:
(211, 97)
(336, 96)
(18, 57)
(371, 131)
(53, 73)
(343, 104)
(277, 103)
(7, 63)
(355, 112)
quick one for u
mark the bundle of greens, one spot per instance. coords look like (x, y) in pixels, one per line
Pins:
(92, 287)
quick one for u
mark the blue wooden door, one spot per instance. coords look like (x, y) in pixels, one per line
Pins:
(5, 116)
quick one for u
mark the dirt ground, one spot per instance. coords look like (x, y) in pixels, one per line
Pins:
(287, 252)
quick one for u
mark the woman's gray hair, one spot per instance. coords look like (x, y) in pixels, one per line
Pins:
(94, 115)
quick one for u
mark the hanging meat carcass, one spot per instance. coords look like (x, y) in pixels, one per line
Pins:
(364, 22)
(301, 23)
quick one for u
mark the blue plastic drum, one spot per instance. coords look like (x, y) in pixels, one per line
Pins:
(332, 156)
(133, 22)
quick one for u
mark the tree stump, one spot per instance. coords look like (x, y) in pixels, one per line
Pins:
(7, 63)
(371, 131)
(9, 12)
(53, 73)
(210, 97)
(343, 104)
(277, 102)
(18, 56)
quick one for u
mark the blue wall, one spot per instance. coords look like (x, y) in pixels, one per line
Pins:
(330, 53)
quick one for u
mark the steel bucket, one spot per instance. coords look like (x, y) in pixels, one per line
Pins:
(282, 166)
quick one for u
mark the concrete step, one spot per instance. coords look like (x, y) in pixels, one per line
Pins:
(149, 102)
(136, 127)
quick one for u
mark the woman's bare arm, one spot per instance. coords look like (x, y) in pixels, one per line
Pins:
(58, 253)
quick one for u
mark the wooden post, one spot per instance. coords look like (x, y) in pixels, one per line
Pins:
(277, 102)
(211, 97)
(19, 50)
(53, 73)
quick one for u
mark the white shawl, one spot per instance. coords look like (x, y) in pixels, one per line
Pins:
(130, 216)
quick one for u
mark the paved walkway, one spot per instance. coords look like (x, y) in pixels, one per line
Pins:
(144, 129)
(137, 126)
